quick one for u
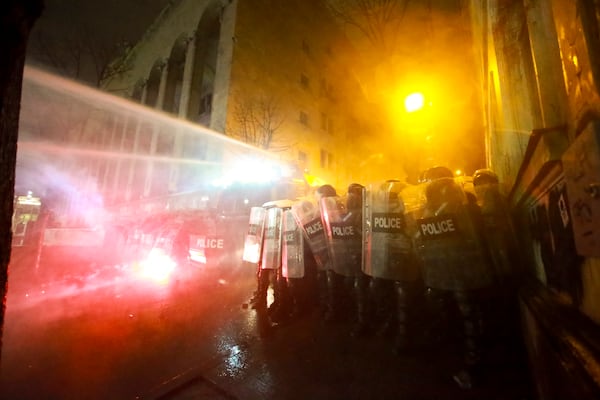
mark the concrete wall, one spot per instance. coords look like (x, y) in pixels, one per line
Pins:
(540, 72)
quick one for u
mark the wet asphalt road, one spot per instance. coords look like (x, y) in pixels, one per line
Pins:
(102, 332)
(115, 338)
(307, 359)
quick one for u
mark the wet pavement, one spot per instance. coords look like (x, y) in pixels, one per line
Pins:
(109, 338)
(308, 359)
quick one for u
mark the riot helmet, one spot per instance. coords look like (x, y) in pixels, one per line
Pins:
(355, 188)
(436, 172)
(326, 191)
(355, 192)
(484, 177)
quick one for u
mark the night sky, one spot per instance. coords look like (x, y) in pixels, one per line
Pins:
(68, 28)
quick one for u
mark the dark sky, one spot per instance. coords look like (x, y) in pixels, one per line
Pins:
(126, 17)
(67, 27)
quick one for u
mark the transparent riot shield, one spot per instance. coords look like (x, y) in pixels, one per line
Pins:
(293, 247)
(308, 216)
(450, 240)
(254, 237)
(388, 234)
(499, 230)
(343, 228)
(271, 253)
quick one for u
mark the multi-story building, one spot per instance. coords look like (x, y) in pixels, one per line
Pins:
(272, 74)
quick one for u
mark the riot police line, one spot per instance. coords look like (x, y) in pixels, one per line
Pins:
(390, 257)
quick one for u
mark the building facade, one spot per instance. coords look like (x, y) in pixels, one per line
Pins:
(268, 74)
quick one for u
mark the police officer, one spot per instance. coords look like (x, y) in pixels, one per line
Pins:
(269, 267)
(293, 265)
(498, 227)
(325, 277)
(361, 284)
(342, 217)
(455, 259)
(253, 244)
(307, 213)
(391, 261)
(500, 237)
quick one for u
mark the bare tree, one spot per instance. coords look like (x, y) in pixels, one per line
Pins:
(378, 20)
(16, 20)
(257, 120)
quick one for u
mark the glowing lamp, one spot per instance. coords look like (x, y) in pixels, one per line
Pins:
(414, 102)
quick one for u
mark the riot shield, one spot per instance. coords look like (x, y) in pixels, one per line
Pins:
(450, 240)
(271, 253)
(254, 237)
(388, 245)
(293, 247)
(343, 228)
(308, 216)
(499, 230)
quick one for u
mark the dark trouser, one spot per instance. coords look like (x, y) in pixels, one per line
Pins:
(406, 317)
(472, 321)
(335, 296)
(281, 307)
(263, 277)
(362, 297)
(323, 292)
(297, 296)
(385, 304)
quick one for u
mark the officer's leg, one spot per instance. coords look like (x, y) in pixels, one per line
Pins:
(263, 281)
(281, 309)
(295, 297)
(405, 319)
(362, 295)
(323, 292)
(472, 330)
(334, 282)
(386, 306)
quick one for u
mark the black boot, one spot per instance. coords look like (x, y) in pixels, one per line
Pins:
(281, 300)
(260, 299)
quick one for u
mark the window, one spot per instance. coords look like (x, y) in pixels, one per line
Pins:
(303, 118)
(326, 123)
(302, 158)
(326, 89)
(304, 82)
(305, 48)
(326, 159)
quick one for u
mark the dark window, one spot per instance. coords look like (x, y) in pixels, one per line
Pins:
(205, 104)
(303, 118)
(304, 82)
(305, 47)
(302, 158)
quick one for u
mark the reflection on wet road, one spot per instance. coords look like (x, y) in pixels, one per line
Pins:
(107, 334)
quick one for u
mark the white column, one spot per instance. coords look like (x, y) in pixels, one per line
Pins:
(188, 72)
(160, 99)
(144, 92)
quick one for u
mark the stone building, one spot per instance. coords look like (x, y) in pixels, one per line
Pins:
(539, 83)
(271, 74)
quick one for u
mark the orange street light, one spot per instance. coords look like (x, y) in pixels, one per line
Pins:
(414, 102)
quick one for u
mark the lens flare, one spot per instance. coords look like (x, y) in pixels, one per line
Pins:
(157, 267)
